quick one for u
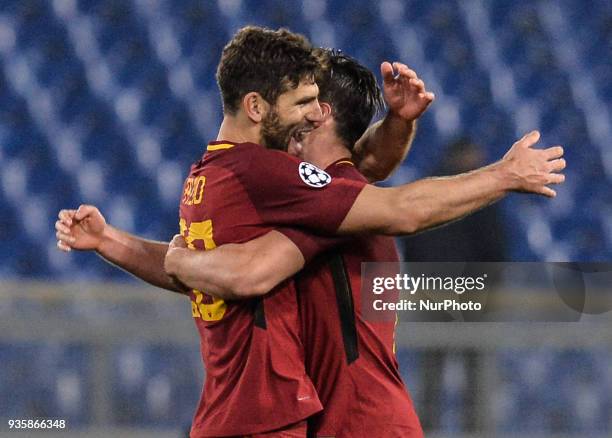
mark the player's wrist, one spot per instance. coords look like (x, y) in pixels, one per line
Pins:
(105, 240)
(504, 175)
(171, 264)
(176, 261)
(397, 117)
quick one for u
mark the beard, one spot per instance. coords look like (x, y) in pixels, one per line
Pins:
(275, 135)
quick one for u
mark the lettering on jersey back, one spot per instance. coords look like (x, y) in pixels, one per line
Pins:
(199, 235)
(193, 193)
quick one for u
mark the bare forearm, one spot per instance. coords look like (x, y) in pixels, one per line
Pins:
(436, 201)
(384, 146)
(423, 204)
(215, 272)
(140, 257)
(235, 271)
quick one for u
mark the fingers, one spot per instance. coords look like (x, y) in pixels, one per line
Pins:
(418, 84)
(397, 70)
(386, 71)
(403, 70)
(404, 92)
(556, 178)
(556, 165)
(66, 216)
(415, 82)
(63, 247)
(84, 211)
(63, 233)
(65, 238)
(554, 152)
(62, 227)
(427, 96)
(401, 73)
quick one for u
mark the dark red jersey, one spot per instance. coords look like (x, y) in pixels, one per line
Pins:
(350, 359)
(252, 351)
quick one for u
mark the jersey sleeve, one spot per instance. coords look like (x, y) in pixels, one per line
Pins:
(288, 192)
(311, 245)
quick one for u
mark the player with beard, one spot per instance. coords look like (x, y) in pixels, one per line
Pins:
(259, 187)
(354, 371)
(256, 384)
(350, 359)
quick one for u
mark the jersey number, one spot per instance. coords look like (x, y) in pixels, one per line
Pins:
(205, 306)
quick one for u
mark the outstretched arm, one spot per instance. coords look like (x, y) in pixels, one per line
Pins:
(86, 229)
(387, 142)
(254, 268)
(429, 202)
(235, 271)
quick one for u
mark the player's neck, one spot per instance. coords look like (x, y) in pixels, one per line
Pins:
(336, 152)
(328, 150)
(236, 130)
(325, 147)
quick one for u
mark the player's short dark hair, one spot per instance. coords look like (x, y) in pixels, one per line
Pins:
(265, 61)
(352, 91)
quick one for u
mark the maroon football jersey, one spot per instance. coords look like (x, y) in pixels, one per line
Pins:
(252, 351)
(350, 359)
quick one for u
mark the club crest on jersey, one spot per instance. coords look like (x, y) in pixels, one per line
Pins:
(313, 176)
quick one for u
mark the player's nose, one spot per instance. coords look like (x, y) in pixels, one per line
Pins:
(315, 115)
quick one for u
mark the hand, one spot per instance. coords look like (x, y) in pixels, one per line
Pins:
(532, 170)
(81, 229)
(178, 241)
(404, 93)
(172, 260)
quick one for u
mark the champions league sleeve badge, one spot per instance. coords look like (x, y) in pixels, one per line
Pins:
(313, 176)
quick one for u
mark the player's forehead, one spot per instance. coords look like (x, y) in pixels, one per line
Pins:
(307, 90)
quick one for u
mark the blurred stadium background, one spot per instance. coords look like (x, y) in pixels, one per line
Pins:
(109, 101)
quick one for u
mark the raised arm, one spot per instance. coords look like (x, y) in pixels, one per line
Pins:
(86, 229)
(235, 271)
(426, 203)
(387, 142)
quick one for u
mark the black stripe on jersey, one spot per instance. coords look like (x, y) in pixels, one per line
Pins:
(259, 314)
(346, 307)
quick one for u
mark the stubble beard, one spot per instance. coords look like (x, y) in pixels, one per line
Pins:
(275, 135)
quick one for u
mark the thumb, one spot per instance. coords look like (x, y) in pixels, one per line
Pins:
(530, 139)
(83, 211)
(178, 242)
(548, 192)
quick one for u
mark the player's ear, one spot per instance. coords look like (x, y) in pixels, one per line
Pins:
(326, 109)
(255, 106)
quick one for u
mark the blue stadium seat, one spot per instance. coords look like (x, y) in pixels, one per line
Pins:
(411, 369)
(151, 389)
(107, 139)
(45, 381)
